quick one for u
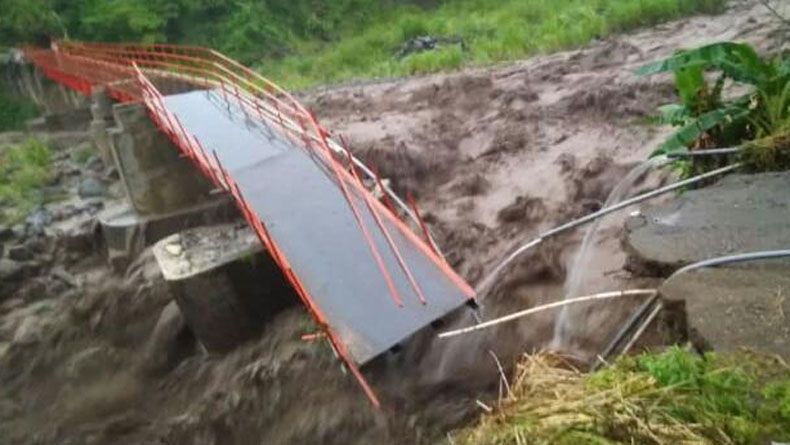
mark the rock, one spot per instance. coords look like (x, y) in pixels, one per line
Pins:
(740, 306)
(174, 249)
(427, 43)
(56, 179)
(60, 273)
(80, 238)
(12, 275)
(170, 341)
(18, 231)
(10, 270)
(94, 163)
(91, 188)
(5, 233)
(33, 290)
(61, 213)
(20, 252)
(111, 173)
(740, 213)
(36, 245)
(523, 209)
(30, 330)
(38, 220)
(71, 170)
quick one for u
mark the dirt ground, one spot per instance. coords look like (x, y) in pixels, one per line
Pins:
(494, 156)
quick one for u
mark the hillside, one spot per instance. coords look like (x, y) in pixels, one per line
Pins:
(304, 43)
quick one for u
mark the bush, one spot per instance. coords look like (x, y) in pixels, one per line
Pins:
(14, 112)
(708, 117)
(24, 170)
(308, 42)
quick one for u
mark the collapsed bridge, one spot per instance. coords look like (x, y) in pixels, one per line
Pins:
(366, 277)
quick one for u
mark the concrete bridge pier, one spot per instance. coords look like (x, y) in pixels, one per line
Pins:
(164, 192)
(225, 284)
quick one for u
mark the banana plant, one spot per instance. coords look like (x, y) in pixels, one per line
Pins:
(707, 116)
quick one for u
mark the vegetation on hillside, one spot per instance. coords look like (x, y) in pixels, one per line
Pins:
(14, 111)
(711, 116)
(24, 171)
(672, 397)
(511, 30)
(309, 42)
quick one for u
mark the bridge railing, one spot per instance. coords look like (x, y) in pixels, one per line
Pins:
(175, 68)
(146, 72)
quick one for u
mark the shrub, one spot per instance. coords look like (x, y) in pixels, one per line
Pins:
(14, 112)
(24, 170)
(709, 117)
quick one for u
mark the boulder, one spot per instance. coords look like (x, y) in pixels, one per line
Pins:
(91, 188)
(19, 231)
(5, 233)
(20, 252)
(170, 341)
(10, 272)
(38, 220)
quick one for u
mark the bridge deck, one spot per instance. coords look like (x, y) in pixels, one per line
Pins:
(307, 215)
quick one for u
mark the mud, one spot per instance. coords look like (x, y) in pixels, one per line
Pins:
(512, 151)
(494, 156)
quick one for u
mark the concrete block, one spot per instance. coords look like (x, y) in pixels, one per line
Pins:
(741, 306)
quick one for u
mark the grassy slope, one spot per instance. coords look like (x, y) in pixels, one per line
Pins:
(14, 111)
(24, 170)
(493, 31)
(674, 397)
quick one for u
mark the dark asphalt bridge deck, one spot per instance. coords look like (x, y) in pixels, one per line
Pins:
(307, 215)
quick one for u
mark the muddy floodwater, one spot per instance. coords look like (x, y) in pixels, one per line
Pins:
(494, 156)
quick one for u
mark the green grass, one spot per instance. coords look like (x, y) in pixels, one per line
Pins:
(738, 395)
(303, 43)
(671, 397)
(24, 171)
(14, 112)
(493, 32)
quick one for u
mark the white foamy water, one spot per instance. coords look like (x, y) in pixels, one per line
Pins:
(574, 284)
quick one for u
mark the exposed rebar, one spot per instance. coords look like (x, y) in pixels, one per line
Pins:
(627, 327)
(639, 332)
